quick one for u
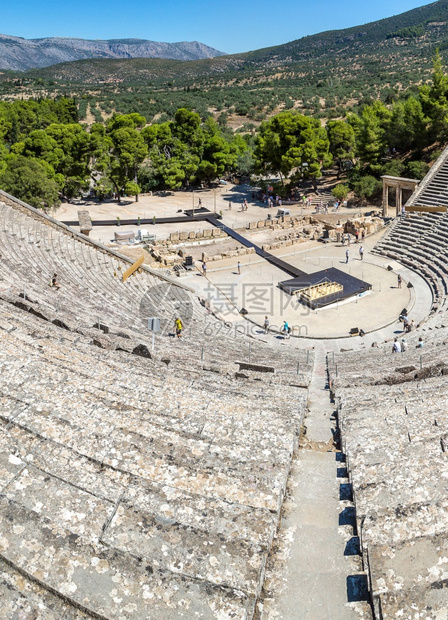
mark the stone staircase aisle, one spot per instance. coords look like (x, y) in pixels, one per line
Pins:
(315, 570)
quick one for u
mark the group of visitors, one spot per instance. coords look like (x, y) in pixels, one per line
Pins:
(402, 347)
(359, 236)
(408, 326)
(347, 254)
(271, 201)
(399, 347)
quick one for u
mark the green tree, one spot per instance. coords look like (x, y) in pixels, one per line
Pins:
(434, 101)
(29, 180)
(342, 141)
(245, 163)
(367, 187)
(418, 169)
(394, 168)
(173, 162)
(288, 141)
(371, 129)
(132, 189)
(408, 125)
(340, 191)
(127, 150)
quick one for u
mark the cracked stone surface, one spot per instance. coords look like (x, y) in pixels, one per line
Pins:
(131, 487)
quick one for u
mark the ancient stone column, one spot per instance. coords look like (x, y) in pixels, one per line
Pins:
(385, 198)
(398, 198)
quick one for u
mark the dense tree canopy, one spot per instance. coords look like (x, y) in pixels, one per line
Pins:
(46, 155)
(30, 179)
(292, 142)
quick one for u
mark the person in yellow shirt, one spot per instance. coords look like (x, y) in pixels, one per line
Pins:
(179, 327)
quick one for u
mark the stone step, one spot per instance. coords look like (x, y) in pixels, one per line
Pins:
(103, 581)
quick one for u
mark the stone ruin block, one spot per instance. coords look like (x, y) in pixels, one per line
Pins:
(216, 232)
(192, 235)
(183, 236)
(174, 236)
(85, 222)
(200, 234)
(207, 233)
(261, 224)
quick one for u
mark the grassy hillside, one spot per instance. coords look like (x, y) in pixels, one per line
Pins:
(320, 74)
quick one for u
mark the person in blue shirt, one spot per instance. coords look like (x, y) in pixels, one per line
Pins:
(285, 329)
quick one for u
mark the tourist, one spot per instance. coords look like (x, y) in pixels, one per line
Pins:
(404, 345)
(357, 236)
(200, 203)
(349, 239)
(347, 254)
(361, 253)
(420, 343)
(239, 268)
(179, 327)
(396, 348)
(266, 325)
(54, 282)
(204, 269)
(286, 330)
(399, 280)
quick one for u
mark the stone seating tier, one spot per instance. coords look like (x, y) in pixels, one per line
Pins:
(133, 483)
(396, 441)
(134, 474)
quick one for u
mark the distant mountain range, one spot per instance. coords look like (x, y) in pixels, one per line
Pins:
(397, 48)
(18, 54)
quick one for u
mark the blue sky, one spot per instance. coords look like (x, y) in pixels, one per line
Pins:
(231, 26)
